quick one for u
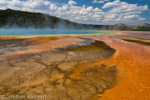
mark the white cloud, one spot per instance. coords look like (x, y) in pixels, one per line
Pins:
(53, 7)
(71, 2)
(130, 16)
(123, 12)
(100, 1)
(113, 4)
(90, 8)
(110, 13)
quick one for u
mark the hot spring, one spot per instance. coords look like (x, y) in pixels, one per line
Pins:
(43, 32)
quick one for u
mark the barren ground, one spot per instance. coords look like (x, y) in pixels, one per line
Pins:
(83, 67)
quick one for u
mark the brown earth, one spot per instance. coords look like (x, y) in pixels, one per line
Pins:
(64, 73)
(76, 72)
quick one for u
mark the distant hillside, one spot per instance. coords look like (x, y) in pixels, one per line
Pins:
(123, 27)
(22, 19)
(11, 18)
(140, 27)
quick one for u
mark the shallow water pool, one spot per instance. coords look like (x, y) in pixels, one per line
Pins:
(42, 32)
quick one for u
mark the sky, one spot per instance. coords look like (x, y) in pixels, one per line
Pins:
(101, 12)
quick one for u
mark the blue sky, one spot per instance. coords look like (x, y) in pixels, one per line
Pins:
(87, 11)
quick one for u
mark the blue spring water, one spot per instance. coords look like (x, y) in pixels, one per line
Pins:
(42, 32)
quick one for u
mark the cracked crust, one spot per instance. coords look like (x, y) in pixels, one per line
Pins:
(58, 73)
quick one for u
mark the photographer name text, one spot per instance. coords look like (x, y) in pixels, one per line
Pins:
(19, 97)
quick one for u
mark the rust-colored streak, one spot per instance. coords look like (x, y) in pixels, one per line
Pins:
(133, 62)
